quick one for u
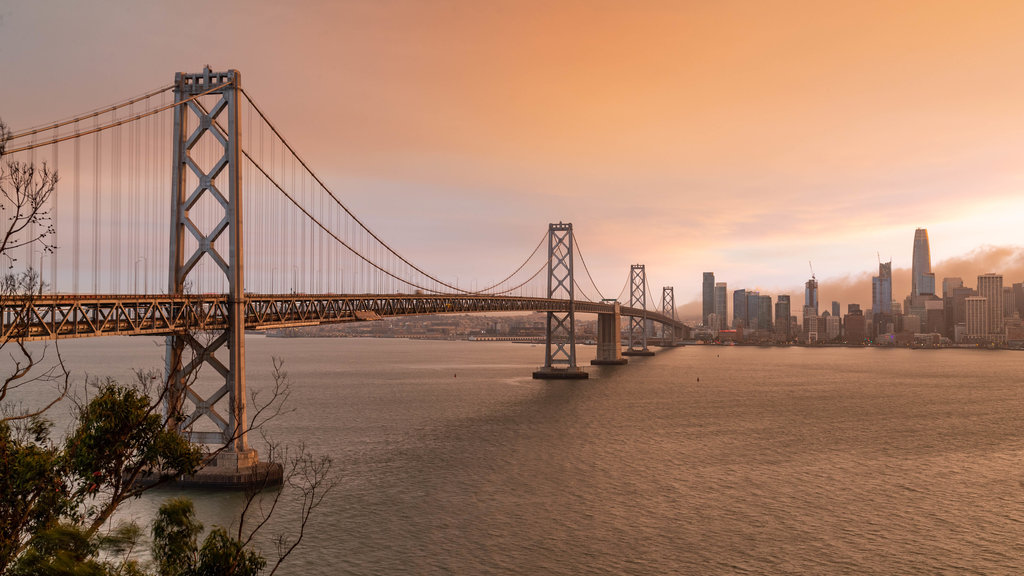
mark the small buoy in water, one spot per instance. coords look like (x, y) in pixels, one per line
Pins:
(698, 378)
(455, 375)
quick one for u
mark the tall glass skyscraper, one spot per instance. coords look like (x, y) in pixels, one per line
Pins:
(722, 304)
(811, 296)
(709, 296)
(922, 281)
(881, 289)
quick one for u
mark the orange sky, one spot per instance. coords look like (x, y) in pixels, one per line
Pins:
(744, 138)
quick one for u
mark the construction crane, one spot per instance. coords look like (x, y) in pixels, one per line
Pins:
(812, 270)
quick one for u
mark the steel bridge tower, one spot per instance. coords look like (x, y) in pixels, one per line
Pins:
(668, 308)
(187, 352)
(638, 299)
(560, 354)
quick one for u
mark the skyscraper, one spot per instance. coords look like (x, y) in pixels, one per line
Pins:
(753, 303)
(922, 280)
(764, 312)
(990, 287)
(881, 289)
(811, 296)
(835, 308)
(722, 304)
(739, 308)
(709, 296)
(782, 314)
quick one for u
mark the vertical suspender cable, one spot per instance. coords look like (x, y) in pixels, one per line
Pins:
(54, 203)
(77, 210)
(96, 213)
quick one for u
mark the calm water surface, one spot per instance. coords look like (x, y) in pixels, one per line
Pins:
(700, 460)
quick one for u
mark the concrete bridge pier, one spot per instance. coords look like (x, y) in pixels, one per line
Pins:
(609, 340)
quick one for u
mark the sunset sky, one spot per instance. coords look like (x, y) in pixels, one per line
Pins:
(744, 138)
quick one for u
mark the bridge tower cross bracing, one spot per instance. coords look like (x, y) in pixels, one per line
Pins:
(560, 340)
(638, 324)
(668, 308)
(187, 352)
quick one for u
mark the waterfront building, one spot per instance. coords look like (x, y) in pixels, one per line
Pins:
(714, 324)
(935, 317)
(990, 287)
(739, 308)
(835, 308)
(753, 304)
(764, 313)
(1009, 304)
(976, 312)
(855, 329)
(832, 327)
(722, 305)
(957, 312)
(709, 296)
(1018, 297)
(782, 318)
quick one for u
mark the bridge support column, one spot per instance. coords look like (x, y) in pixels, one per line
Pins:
(668, 308)
(609, 339)
(638, 299)
(560, 353)
(199, 413)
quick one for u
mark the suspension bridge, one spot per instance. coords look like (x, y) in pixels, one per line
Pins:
(247, 215)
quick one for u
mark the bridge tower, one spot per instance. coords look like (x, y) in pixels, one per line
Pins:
(668, 308)
(638, 325)
(560, 353)
(186, 352)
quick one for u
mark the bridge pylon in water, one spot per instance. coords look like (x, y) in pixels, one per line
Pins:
(237, 464)
(638, 324)
(668, 308)
(560, 341)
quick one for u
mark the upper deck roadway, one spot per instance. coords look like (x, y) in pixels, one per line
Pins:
(49, 317)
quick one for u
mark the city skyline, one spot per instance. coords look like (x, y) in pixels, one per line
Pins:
(991, 311)
(749, 141)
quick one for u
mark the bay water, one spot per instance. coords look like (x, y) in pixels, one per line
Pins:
(451, 459)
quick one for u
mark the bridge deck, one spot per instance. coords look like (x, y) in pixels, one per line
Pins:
(48, 317)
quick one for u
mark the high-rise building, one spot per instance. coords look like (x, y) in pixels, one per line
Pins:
(990, 287)
(764, 312)
(881, 289)
(1009, 303)
(976, 313)
(811, 296)
(922, 280)
(835, 308)
(957, 312)
(709, 296)
(739, 308)
(949, 283)
(753, 301)
(1018, 297)
(782, 314)
(722, 304)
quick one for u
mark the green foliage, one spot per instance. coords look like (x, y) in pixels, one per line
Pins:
(222, 555)
(119, 433)
(65, 550)
(175, 536)
(45, 527)
(33, 491)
